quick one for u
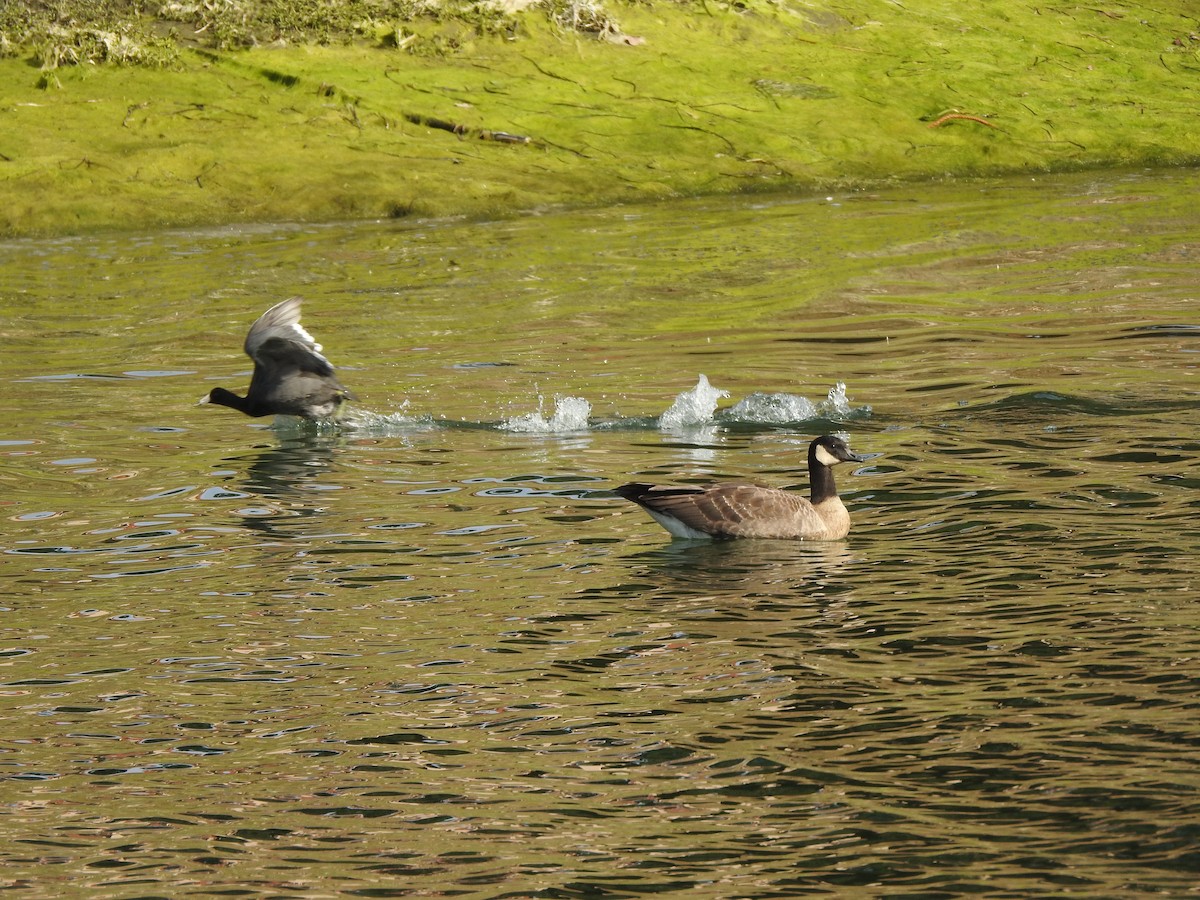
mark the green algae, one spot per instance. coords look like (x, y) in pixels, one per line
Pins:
(681, 100)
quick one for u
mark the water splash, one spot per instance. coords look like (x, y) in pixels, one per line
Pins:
(783, 408)
(691, 410)
(357, 420)
(837, 404)
(570, 414)
(772, 409)
(692, 407)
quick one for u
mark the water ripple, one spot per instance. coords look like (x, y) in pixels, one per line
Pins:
(423, 653)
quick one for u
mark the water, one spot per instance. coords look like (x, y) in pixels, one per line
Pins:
(430, 653)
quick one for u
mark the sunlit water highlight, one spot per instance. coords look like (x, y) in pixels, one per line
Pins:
(428, 652)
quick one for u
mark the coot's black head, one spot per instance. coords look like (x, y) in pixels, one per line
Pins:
(222, 397)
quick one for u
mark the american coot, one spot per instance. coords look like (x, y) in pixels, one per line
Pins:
(291, 377)
(750, 511)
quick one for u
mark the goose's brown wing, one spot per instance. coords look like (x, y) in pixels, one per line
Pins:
(728, 510)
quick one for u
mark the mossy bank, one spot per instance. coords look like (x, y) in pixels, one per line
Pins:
(451, 114)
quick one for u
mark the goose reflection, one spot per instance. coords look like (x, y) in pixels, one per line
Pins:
(782, 571)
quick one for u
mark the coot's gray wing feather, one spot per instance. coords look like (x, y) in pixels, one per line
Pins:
(284, 356)
(277, 339)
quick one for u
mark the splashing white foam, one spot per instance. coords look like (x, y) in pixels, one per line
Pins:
(693, 407)
(773, 409)
(364, 420)
(779, 409)
(837, 403)
(570, 414)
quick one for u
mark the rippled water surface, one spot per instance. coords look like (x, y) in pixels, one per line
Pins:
(430, 653)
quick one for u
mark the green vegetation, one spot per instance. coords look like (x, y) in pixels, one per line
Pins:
(181, 112)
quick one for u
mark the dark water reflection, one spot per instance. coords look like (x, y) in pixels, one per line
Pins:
(433, 655)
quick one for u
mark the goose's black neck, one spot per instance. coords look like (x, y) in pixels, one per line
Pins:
(820, 478)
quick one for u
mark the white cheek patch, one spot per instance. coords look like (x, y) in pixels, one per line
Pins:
(825, 458)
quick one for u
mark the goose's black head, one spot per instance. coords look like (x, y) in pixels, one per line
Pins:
(829, 450)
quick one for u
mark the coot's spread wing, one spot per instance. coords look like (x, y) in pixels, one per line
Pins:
(283, 357)
(291, 377)
(278, 341)
(290, 374)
